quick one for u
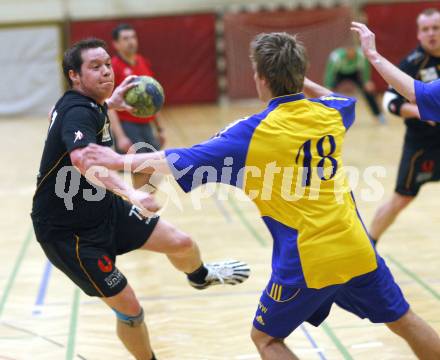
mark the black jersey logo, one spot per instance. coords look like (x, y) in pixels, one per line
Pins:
(106, 133)
(78, 136)
(428, 74)
(428, 166)
(105, 264)
(52, 118)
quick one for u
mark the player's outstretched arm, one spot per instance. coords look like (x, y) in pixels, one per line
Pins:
(312, 89)
(109, 179)
(403, 83)
(147, 163)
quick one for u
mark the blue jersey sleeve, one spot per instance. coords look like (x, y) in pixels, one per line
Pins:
(219, 159)
(345, 105)
(428, 99)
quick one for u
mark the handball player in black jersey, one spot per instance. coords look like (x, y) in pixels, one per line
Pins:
(420, 159)
(84, 217)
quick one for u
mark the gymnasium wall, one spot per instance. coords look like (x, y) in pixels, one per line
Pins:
(31, 77)
(199, 49)
(395, 26)
(43, 10)
(180, 48)
(320, 30)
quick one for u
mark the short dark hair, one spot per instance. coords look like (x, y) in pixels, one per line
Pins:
(117, 30)
(280, 59)
(72, 59)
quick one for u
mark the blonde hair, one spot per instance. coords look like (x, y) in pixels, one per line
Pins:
(280, 59)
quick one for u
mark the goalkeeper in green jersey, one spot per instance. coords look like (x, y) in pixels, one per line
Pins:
(347, 66)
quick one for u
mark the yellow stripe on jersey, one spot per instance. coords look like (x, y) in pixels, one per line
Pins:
(272, 290)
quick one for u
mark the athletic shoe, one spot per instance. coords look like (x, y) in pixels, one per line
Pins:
(230, 272)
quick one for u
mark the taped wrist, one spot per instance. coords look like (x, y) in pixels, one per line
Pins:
(132, 321)
(395, 105)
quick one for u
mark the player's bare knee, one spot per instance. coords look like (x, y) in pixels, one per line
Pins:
(260, 339)
(125, 302)
(399, 202)
(183, 242)
(399, 326)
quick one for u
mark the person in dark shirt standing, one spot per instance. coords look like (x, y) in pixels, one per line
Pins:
(420, 161)
(80, 217)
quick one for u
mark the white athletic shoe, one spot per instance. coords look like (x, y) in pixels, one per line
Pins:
(230, 272)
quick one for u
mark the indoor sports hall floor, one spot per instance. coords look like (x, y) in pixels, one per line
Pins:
(43, 316)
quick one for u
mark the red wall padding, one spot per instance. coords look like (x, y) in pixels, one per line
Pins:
(180, 48)
(321, 30)
(396, 30)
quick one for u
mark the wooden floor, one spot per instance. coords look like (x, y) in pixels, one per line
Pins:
(44, 316)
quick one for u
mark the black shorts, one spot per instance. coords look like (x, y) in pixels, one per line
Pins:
(141, 133)
(88, 256)
(418, 166)
(353, 77)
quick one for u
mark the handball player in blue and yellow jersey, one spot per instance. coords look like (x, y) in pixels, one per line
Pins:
(288, 160)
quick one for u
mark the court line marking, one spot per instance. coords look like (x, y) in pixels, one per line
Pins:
(342, 349)
(223, 210)
(246, 223)
(2, 357)
(171, 297)
(235, 293)
(15, 269)
(367, 345)
(319, 350)
(34, 334)
(70, 350)
(414, 276)
(42, 290)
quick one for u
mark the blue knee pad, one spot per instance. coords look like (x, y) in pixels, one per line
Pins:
(131, 321)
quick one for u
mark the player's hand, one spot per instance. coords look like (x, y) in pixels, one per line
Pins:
(144, 201)
(116, 101)
(366, 37)
(432, 123)
(124, 144)
(95, 154)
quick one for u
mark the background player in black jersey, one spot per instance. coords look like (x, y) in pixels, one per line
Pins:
(80, 218)
(420, 161)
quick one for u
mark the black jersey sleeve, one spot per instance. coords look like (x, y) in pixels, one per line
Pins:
(79, 128)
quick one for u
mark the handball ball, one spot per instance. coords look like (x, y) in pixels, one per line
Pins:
(147, 97)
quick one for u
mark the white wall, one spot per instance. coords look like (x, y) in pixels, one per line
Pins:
(42, 10)
(16, 11)
(30, 10)
(31, 79)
